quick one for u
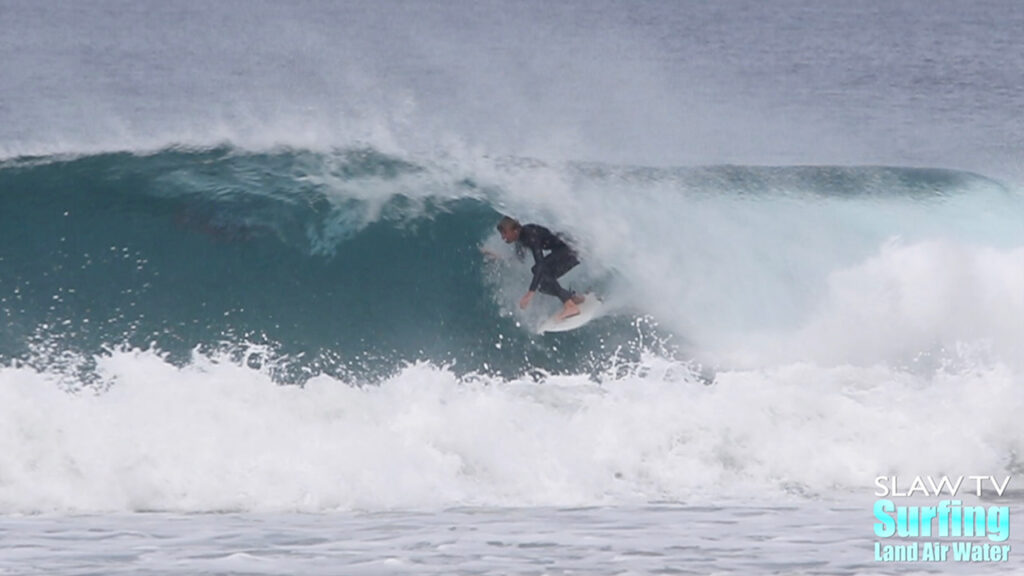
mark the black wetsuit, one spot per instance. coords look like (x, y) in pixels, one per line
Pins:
(547, 269)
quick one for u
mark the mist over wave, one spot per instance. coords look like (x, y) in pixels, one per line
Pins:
(650, 84)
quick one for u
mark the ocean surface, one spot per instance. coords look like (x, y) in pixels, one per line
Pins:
(247, 325)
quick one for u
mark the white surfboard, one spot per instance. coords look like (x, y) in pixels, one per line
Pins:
(589, 309)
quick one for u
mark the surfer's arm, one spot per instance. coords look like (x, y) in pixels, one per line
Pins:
(525, 301)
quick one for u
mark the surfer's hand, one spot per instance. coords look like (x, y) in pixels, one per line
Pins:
(489, 255)
(526, 300)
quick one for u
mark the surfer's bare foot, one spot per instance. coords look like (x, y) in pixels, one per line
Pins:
(569, 310)
(578, 298)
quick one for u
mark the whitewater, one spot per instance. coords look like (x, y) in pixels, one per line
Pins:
(247, 327)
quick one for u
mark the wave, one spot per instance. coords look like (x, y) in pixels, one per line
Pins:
(154, 303)
(353, 262)
(356, 262)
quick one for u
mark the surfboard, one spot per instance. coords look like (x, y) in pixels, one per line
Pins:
(589, 310)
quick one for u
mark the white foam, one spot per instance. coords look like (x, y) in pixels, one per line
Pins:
(213, 435)
(936, 298)
(782, 275)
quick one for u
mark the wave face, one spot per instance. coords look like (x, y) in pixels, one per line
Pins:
(359, 262)
(187, 284)
(353, 263)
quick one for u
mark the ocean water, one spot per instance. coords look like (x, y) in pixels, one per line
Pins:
(246, 326)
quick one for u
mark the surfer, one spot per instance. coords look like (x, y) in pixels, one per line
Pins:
(546, 269)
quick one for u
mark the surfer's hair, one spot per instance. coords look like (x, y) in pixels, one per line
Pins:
(508, 223)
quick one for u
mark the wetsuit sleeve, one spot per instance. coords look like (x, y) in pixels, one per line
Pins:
(536, 238)
(538, 257)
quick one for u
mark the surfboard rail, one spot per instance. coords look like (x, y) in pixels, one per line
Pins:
(589, 309)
